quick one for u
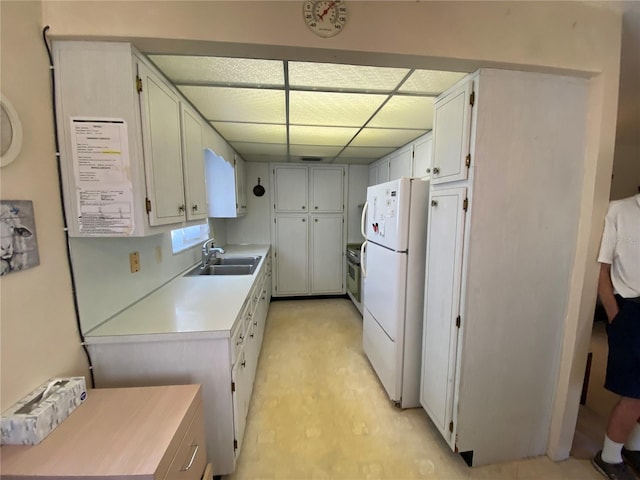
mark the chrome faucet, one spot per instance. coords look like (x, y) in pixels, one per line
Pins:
(209, 250)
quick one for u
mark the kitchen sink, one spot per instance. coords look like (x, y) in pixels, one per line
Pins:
(227, 266)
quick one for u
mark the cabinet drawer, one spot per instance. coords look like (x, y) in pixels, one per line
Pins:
(191, 458)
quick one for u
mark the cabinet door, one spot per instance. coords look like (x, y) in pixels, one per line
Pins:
(443, 280)
(240, 183)
(383, 171)
(240, 400)
(451, 131)
(327, 257)
(373, 174)
(401, 163)
(160, 108)
(327, 189)
(193, 164)
(292, 253)
(422, 156)
(291, 189)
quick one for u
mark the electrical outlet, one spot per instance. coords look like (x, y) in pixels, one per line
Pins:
(158, 254)
(134, 262)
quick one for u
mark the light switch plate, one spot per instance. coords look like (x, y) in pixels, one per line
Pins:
(134, 262)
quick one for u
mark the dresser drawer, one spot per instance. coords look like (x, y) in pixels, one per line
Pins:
(190, 459)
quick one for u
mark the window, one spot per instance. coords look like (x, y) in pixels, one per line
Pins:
(183, 238)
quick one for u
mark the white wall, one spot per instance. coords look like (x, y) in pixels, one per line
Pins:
(255, 227)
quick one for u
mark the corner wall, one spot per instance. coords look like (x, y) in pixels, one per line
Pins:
(38, 333)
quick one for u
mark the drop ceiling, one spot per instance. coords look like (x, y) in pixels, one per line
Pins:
(279, 110)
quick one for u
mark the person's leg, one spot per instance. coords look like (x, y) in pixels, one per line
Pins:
(622, 421)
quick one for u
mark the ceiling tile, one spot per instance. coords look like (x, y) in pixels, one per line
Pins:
(313, 151)
(251, 132)
(237, 104)
(321, 135)
(259, 148)
(332, 109)
(385, 137)
(219, 70)
(430, 81)
(365, 152)
(405, 112)
(344, 77)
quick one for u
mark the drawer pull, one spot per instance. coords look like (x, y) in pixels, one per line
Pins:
(193, 457)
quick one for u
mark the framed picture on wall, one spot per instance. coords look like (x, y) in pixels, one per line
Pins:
(18, 244)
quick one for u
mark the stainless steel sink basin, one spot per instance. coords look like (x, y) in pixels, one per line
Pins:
(227, 266)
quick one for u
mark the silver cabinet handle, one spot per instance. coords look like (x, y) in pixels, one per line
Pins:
(428, 170)
(315, 207)
(436, 170)
(434, 203)
(193, 457)
(181, 208)
(194, 207)
(304, 219)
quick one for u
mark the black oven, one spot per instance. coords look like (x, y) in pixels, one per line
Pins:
(353, 270)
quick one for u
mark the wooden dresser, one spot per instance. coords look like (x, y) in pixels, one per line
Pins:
(142, 433)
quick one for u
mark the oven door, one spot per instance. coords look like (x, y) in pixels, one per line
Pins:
(353, 280)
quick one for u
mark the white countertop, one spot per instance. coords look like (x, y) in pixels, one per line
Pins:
(204, 306)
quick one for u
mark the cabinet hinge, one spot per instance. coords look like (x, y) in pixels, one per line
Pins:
(451, 427)
(147, 204)
(468, 161)
(235, 444)
(458, 321)
(274, 220)
(138, 84)
(472, 98)
(233, 386)
(465, 204)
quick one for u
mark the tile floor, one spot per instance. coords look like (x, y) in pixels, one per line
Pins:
(318, 412)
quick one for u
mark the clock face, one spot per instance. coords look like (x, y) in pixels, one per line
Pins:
(325, 17)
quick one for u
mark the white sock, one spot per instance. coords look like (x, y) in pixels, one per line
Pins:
(633, 442)
(611, 451)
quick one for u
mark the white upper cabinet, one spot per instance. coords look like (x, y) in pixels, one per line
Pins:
(327, 189)
(401, 162)
(291, 188)
(422, 149)
(373, 174)
(451, 124)
(129, 150)
(162, 148)
(225, 184)
(383, 169)
(193, 164)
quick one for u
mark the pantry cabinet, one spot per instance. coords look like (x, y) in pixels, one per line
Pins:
(308, 229)
(502, 230)
(128, 143)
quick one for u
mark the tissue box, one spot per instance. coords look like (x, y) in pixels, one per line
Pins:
(34, 417)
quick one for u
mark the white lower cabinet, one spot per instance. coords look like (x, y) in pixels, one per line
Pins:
(327, 269)
(224, 363)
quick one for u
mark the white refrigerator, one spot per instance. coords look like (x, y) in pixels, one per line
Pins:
(394, 224)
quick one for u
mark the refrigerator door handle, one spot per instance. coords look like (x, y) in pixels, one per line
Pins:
(363, 220)
(362, 259)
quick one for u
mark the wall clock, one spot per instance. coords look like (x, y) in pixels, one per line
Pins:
(324, 17)
(10, 132)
